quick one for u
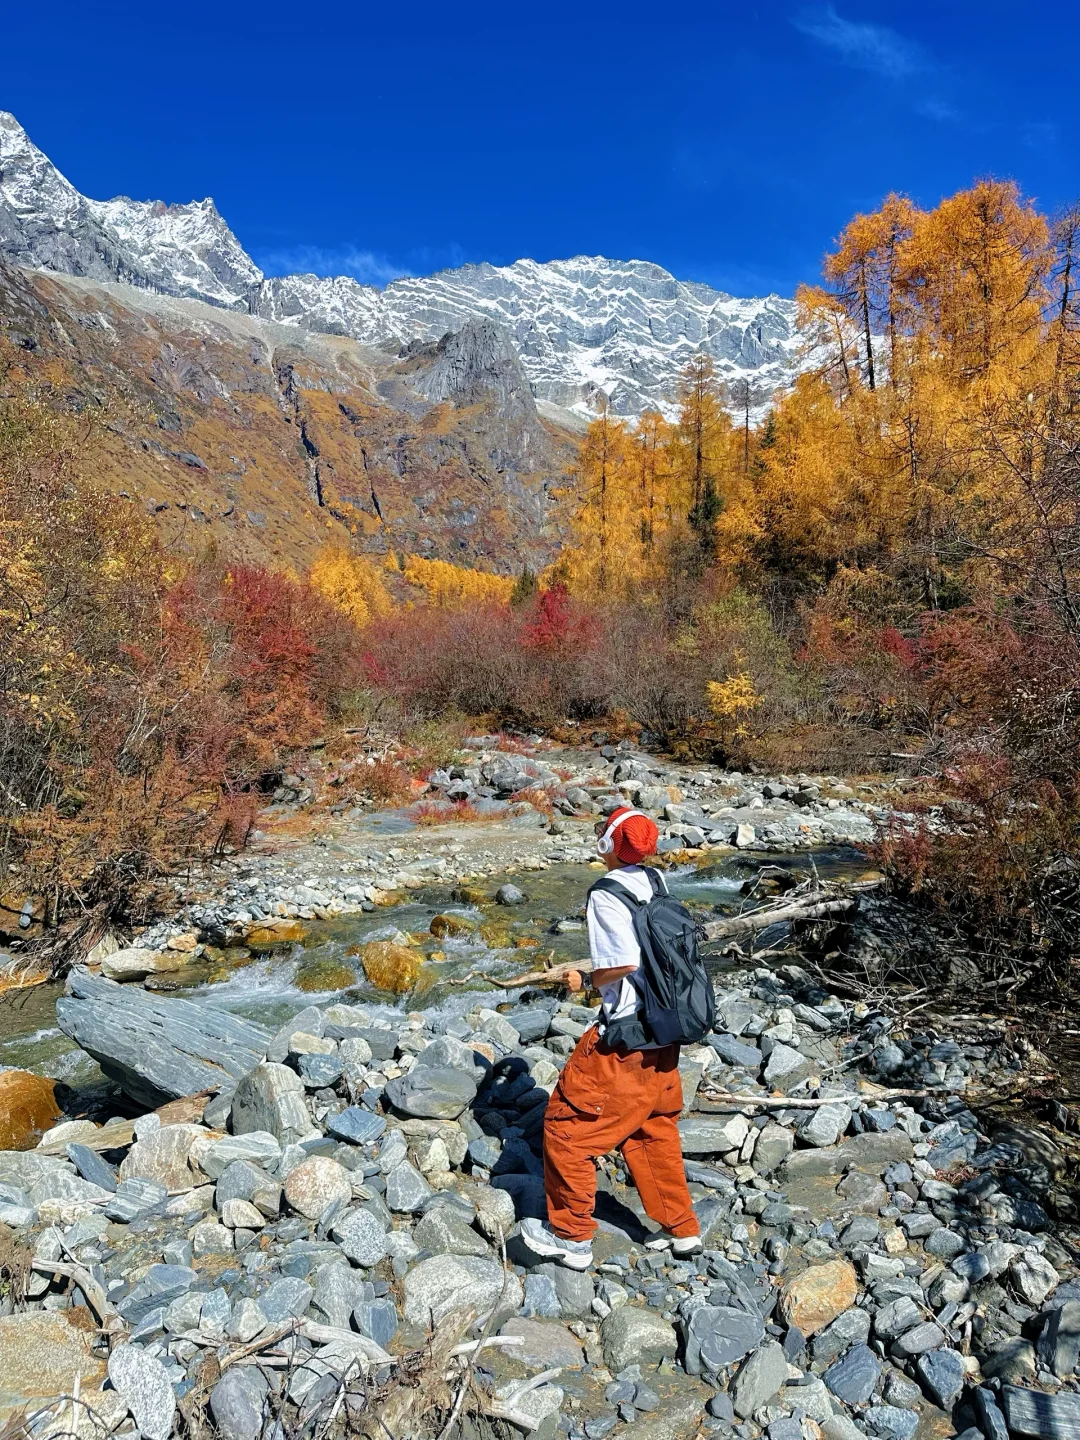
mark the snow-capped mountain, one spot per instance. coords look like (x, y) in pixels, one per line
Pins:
(179, 249)
(581, 326)
(623, 327)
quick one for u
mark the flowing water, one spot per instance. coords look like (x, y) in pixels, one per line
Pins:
(502, 941)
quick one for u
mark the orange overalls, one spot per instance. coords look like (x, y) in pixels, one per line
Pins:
(608, 1099)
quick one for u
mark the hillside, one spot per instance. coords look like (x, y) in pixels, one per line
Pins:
(267, 440)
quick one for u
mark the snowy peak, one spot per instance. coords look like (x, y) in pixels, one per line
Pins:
(579, 327)
(179, 249)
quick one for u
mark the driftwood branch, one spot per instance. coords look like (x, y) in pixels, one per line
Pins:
(107, 1313)
(809, 907)
(817, 904)
(790, 1102)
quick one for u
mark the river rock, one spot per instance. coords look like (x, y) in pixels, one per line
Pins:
(545, 1344)
(271, 1098)
(41, 1352)
(825, 1125)
(446, 1282)
(315, 1185)
(772, 1147)
(759, 1379)
(163, 1156)
(494, 1212)
(854, 1378)
(712, 1135)
(27, 1107)
(1040, 1416)
(573, 1287)
(1059, 1343)
(356, 1125)
(237, 1402)
(636, 1337)
(1034, 1277)
(432, 1092)
(144, 1383)
(257, 1147)
(941, 1374)
(157, 1048)
(785, 1067)
(442, 1232)
(361, 1237)
(817, 1296)
(406, 1189)
(720, 1335)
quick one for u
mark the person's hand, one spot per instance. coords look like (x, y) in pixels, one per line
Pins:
(575, 980)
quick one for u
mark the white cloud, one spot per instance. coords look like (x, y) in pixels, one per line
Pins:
(362, 265)
(868, 47)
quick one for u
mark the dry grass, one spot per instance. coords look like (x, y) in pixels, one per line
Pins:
(537, 798)
(457, 812)
(389, 784)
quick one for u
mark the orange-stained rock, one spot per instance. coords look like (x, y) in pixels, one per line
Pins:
(814, 1298)
(274, 932)
(391, 967)
(27, 1108)
(40, 1354)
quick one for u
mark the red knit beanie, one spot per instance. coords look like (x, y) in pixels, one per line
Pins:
(636, 838)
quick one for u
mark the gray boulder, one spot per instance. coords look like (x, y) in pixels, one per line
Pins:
(157, 1048)
(759, 1379)
(448, 1282)
(237, 1402)
(144, 1384)
(432, 1092)
(636, 1337)
(271, 1099)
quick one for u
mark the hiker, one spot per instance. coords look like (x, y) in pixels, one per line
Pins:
(620, 1088)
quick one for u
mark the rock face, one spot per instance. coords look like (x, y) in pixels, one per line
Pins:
(157, 1049)
(178, 249)
(567, 318)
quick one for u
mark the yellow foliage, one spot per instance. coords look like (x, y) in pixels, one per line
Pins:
(733, 699)
(351, 583)
(454, 586)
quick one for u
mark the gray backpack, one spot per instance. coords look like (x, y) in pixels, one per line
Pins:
(678, 1003)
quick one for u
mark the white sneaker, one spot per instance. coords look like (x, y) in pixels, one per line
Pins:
(539, 1236)
(680, 1245)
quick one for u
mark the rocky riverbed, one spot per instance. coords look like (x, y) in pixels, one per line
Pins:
(324, 1204)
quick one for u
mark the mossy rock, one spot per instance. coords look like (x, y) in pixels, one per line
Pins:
(469, 895)
(526, 942)
(391, 967)
(316, 976)
(497, 934)
(390, 897)
(443, 925)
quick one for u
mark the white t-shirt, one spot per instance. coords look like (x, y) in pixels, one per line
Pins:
(612, 942)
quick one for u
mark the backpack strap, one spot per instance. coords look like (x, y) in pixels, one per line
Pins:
(612, 887)
(656, 880)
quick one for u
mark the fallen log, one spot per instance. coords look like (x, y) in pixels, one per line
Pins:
(809, 907)
(815, 905)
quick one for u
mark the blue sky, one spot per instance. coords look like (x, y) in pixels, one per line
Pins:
(727, 142)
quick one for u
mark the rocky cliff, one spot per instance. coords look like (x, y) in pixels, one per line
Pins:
(267, 440)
